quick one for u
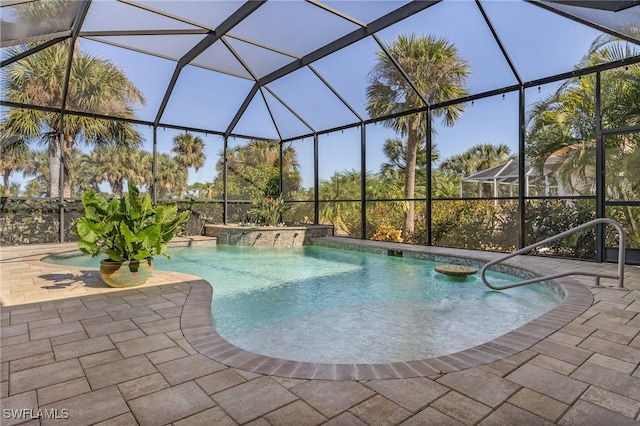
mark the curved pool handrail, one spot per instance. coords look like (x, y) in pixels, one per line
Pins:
(621, 259)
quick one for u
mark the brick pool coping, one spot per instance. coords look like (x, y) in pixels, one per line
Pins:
(198, 329)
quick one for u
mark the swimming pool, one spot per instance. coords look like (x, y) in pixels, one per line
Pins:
(322, 305)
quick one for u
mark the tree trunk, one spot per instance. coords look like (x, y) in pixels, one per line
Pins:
(117, 188)
(7, 187)
(54, 166)
(410, 182)
(67, 148)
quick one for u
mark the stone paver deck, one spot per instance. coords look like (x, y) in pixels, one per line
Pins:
(74, 351)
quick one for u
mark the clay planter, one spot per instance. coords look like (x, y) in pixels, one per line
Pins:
(125, 273)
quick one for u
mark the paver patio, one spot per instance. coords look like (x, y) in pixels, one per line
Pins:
(85, 353)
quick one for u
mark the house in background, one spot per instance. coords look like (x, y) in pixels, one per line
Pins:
(503, 180)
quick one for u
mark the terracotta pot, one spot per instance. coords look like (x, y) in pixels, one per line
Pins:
(126, 273)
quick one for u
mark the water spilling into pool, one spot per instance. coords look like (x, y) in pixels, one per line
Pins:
(326, 305)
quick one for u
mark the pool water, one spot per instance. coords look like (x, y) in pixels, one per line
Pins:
(326, 305)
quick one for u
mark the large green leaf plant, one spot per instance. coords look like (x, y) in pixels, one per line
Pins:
(132, 228)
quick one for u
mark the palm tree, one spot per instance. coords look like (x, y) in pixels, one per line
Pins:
(562, 128)
(384, 186)
(478, 157)
(170, 176)
(623, 105)
(189, 153)
(259, 152)
(395, 149)
(436, 70)
(14, 157)
(95, 85)
(343, 186)
(562, 124)
(142, 174)
(37, 168)
(445, 185)
(80, 180)
(202, 190)
(113, 165)
(256, 166)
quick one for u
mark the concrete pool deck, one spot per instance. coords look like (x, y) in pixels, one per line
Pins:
(85, 353)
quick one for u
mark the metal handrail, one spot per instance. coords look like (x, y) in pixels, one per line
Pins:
(597, 275)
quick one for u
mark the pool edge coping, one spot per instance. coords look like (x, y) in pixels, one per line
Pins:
(198, 330)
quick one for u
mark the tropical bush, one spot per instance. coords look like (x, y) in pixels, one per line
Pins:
(387, 233)
(268, 210)
(472, 224)
(547, 218)
(629, 218)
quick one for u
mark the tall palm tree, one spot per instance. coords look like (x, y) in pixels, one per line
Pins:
(436, 70)
(189, 153)
(95, 85)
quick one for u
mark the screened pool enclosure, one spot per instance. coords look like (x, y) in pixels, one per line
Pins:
(387, 119)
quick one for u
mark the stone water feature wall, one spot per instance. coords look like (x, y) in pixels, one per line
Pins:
(267, 236)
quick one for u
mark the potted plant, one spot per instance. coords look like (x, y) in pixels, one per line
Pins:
(130, 231)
